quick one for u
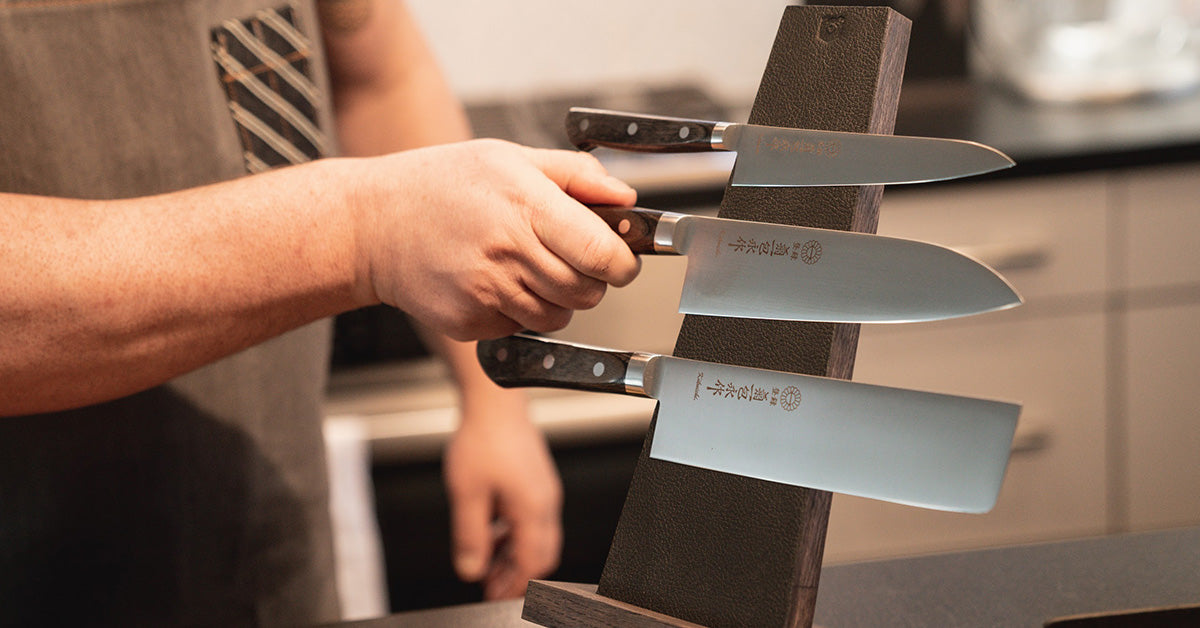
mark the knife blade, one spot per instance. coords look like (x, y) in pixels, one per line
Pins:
(758, 270)
(783, 157)
(918, 448)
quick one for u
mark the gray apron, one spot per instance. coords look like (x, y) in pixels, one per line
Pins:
(203, 501)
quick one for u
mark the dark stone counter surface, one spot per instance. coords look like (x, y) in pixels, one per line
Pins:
(1021, 586)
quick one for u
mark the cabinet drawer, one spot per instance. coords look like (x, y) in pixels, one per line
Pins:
(1047, 237)
(1055, 484)
(1163, 416)
(1162, 220)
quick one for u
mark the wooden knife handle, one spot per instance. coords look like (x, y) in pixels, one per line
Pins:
(635, 225)
(520, 361)
(589, 128)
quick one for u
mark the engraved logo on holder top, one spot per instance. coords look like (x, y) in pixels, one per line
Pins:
(831, 28)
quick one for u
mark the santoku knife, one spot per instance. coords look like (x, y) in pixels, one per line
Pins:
(759, 270)
(778, 156)
(917, 448)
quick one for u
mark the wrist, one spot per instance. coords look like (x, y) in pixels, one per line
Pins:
(353, 205)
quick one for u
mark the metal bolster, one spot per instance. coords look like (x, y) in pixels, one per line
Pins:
(664, 233)
(717, 141)
(635, 374)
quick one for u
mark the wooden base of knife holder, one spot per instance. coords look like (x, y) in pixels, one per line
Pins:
(714, 549)
(571, 604)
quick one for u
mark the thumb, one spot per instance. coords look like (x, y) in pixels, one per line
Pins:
(472, 534)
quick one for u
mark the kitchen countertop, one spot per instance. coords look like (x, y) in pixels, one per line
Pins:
(1013, 586)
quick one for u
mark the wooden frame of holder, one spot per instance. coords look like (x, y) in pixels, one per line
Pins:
(697, 547)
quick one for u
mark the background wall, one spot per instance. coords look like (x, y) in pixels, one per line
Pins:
(500, 49)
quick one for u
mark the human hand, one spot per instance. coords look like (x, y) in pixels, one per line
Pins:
(505, 496)
(484, 238)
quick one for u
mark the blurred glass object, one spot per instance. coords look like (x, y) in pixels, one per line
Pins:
(1087, 50)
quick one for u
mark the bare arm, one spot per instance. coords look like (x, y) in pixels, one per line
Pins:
(102, 299)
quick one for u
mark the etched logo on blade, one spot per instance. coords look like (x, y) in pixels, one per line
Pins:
(787, 145)
(790, 398)
(787, 398)
(808, 252)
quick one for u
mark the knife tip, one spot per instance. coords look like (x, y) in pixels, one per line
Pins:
(1003, 161)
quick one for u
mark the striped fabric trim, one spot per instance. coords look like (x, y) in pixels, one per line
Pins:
(264, 65)
(35, 4)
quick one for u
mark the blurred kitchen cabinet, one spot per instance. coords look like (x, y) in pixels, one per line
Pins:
(1103, 355)
(1045, 235)
(1161, 216)
(1049, 238)
(1161, 347)
(1163, 416)
(1055, 483)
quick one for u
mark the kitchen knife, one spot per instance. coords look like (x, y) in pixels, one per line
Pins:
(760, 270)
(777, 156)
(917, 448)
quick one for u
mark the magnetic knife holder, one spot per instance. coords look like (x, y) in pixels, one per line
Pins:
(698, 547)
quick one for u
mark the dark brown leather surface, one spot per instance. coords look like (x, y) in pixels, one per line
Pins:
(724, 550)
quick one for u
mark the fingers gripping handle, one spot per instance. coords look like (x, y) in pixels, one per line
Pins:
(589, 128)
(640, 227)
(527, 361)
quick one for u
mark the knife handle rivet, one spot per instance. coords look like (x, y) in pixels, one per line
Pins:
(501, 354)
(624, 226)
(684, 132)
(598, 369)
(632, 128)
(584, 124)
(548, 362)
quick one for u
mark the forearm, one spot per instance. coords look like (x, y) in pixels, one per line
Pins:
(105, 298)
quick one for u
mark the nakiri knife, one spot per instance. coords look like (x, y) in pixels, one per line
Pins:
(759, 270)
(917, 448)
(780, 157)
